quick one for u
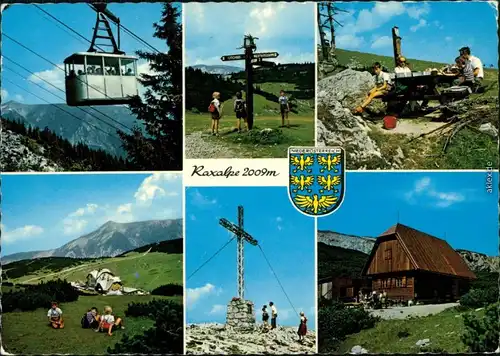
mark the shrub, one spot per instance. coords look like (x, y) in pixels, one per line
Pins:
(481, 333)
(39, 296)
(168, 290)
(336, 322)
(257, 136)
(477, 298)
(149, 309)
(166, 337)
(195, 110)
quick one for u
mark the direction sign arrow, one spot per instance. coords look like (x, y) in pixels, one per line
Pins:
(233, 57)
(265, 64)
(265, 55)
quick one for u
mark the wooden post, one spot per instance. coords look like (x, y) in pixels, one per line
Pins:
(396, 44)
(249, 88)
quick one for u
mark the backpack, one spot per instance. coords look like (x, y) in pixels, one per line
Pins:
(240, 106)
(212, 108)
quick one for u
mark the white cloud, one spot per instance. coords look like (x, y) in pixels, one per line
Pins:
(425, 189)
(448, 38)
(89, 209)
(144, 68)
(22, 233)
(74, 226)
(195, 294)
(55, 76)
(349, 41)
(124, 209)
(199, 199)
(154, 187)
(421, 23)
(4, 94)
(18, 98)
(418, 11)
(279, 220)
(217, 309)
(382, 42)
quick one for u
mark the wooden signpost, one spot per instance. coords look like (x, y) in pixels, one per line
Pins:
(251, 59)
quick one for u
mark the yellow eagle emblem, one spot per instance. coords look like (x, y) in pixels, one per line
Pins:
(302, 182)
(328, 183)
(314, 203)
(328, 162)
(302, 163)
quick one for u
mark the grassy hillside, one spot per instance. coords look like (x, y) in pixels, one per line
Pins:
(444, 331)
(144, 268)
(339, 262)
(29, 333)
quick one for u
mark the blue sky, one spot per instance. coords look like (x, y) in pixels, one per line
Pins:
(217, 29)
(285, 235)
(452, 206)
(45, 211)
(53, 41)
(431, 31)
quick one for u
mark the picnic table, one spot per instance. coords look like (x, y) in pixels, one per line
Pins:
(416, 86)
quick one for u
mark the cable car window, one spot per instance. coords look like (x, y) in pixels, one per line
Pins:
(128, 67)
(94, 65)
(111, 66)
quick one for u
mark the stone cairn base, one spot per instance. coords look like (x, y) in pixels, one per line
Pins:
(240, 314)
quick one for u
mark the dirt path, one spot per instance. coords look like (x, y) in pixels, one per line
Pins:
(416, 310)
(197, 146)
(79, 267)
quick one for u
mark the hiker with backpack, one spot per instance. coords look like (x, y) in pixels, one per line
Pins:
(240, 108)
(284, 108)
(215, 108)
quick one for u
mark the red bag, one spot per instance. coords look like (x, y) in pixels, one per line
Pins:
(212, 108)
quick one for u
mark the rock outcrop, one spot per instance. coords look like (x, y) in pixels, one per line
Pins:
(337, 95)
(357, 243)
(16, 156)
(479, 262)
(221, 339)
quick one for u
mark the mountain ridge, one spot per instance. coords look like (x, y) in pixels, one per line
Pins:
(60, 119)
(109, 240)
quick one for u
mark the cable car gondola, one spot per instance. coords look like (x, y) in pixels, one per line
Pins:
(99, 77)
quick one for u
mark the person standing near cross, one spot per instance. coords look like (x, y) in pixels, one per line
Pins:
(274, 315)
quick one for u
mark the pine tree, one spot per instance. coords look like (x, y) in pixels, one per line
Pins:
(160, 148)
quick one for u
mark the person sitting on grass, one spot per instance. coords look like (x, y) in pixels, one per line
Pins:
(467, 73)
(284, 108)
(240, 108)
(215, 109)
(55, 316)
(91, 319)
(383, 85)
(109, 322)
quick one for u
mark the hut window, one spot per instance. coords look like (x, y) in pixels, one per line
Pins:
(388, 254)
(401, 282)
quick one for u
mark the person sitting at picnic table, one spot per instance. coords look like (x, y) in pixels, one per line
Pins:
(402, 66)
(55, 316)
(476, 63)
(466, 72)
(383, 85)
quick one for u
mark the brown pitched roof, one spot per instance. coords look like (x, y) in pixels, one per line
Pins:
(428, 253)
